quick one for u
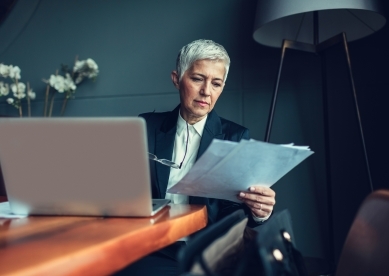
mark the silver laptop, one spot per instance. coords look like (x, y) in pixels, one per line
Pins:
(77, 166)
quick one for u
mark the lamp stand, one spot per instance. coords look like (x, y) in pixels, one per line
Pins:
(319, 48)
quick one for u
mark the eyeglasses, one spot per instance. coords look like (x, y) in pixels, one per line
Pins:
(168, 162)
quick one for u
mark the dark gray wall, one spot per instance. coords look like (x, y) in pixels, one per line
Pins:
(135, 44)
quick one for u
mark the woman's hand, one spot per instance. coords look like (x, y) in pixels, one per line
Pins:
(259, 199)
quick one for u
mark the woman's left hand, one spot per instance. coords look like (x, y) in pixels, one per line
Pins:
(259, 199)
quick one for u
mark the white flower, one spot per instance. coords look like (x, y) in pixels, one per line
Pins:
(14, 72)
(58, 83)
(52, 80)
(62, 84)
(4, 89)
(93, 68)
(10, 100)
(69, 84)
(79, 78)
(19, 90)
(93, 74)
(92, 64)
(85, 68)
(21, 87)
(31, 94)
(79, 65)
(4, 70)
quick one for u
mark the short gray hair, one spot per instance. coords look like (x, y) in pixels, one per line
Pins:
(198, 50)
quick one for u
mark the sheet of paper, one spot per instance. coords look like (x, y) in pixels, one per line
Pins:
(238, 166)
(215, 154)
(5, 211)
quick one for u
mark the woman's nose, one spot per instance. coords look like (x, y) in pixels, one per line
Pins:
(206, 89)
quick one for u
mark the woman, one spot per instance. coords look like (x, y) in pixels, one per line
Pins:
(182, 136)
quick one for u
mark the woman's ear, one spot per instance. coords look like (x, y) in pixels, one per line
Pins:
(175, 78)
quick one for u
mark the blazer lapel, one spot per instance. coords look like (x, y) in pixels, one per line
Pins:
(164, 143)
(212, 130)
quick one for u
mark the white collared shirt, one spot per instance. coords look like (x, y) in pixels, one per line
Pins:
(195, 133)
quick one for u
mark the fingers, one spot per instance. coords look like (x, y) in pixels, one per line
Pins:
(258, 209)
(265, 191)
(268, 200)
(259, 199)
(260, 213)
(258, 206)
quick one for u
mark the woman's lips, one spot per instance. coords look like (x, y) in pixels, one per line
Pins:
(201, 103)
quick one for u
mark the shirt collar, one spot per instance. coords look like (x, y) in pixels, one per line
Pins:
(199, 126)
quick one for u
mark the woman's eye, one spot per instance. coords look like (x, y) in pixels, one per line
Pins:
(196, 79)
(216, 84)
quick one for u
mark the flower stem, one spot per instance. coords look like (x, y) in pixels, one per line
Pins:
(19, 100)
(28, 100)
(64, 105)
(51, 104)
(46, 100)
(52, 99)
(75, 61)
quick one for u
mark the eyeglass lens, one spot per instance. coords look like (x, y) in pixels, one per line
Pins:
(163, 161)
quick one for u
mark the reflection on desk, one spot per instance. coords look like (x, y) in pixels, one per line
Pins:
(49, 245)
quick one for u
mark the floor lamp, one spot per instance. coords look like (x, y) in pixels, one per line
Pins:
(314, 26)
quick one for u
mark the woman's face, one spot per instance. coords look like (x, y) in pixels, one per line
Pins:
(200, 87)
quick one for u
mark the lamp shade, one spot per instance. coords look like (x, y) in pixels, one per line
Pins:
(277, 20)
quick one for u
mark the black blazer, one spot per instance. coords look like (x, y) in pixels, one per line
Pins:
(161, 131)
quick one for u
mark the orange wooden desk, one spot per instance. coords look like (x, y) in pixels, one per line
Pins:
(90, 245)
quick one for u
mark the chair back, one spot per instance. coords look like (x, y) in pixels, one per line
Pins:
(366, 250)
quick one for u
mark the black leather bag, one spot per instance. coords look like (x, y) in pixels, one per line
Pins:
(276, 250)
(216, 250)
(230, 248)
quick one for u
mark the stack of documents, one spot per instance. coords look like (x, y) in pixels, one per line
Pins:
(226, 168)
